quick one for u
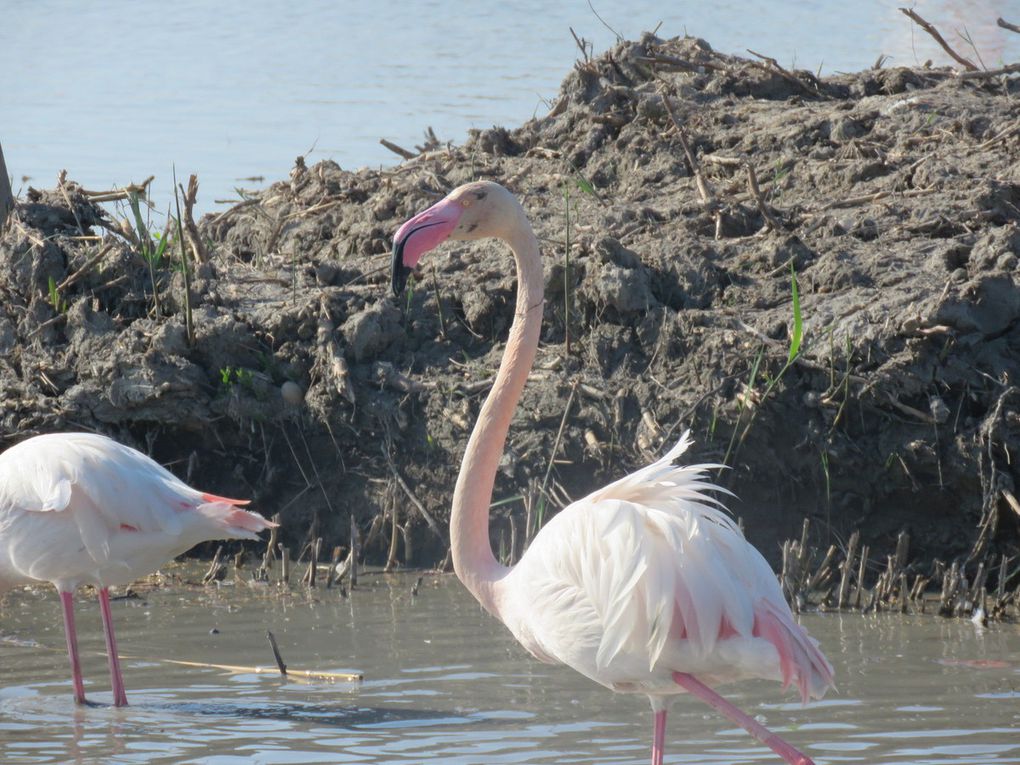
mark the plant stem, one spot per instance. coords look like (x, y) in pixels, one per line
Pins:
(189, 327)
(566, 274)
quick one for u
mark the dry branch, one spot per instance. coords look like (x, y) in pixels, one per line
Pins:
(78, 275)
(707, 197)
(397, 149)
(1006, 25)
(772, 65)
(910, 14)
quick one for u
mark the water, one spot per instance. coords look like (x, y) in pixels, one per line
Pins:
(117, 91)
(445, 683)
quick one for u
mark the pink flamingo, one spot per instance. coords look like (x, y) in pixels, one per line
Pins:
(644, 586)
(78, 508)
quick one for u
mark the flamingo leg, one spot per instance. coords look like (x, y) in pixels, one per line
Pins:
(659, 738)
(697, 688)
(67, 601)
(116, 679)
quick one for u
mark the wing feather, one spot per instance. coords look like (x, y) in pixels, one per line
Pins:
(618, 579)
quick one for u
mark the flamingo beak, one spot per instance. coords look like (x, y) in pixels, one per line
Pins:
(424, 232)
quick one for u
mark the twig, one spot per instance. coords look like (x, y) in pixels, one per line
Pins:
(78, 275)
(619, 37)
(114, 195)
(276, 653)
(216, 569)
(868, 198)
(1006, 25)
(981, 73)
(410, 494)
(1002, 136)
(679, 63)
(910, 14)
(61, 181)
(772, 65)
(559, 435)
(397, 149)
(580, 44)
(752, 184)
(707, 197)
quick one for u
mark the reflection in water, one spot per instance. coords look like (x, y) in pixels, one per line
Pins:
(445, 683)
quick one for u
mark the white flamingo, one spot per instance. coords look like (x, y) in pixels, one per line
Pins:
(645, 586)
(78, 508)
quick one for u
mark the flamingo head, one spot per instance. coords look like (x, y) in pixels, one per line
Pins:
(471, 211)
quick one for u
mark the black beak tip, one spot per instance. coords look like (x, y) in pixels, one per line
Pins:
(400, 271)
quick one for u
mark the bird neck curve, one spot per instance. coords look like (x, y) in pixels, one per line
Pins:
(471, 549)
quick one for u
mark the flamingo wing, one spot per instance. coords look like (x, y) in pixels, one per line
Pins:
(648, 576)
(107, 488)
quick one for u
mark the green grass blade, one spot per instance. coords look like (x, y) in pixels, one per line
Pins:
(798, 322)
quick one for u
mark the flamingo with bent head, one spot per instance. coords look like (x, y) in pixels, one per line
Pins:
(80, 508)
(646, 585)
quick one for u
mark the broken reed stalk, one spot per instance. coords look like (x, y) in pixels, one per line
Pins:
(391, 555)
(313, 562)
(270, 554)
(334, 560)
(752, 184)
(284, 565)
(276, 653)
(190, 229)
(84, 270)
(216, 569)
(704, 189)
(352, 571)
(823, 574)
(860, 576)
(847, 569)
(292, 674)
(399, 150)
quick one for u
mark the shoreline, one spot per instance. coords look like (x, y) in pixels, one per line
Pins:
(690, 186)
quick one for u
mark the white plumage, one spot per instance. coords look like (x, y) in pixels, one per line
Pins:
(645, 586)
(79, 508)
(656, 577)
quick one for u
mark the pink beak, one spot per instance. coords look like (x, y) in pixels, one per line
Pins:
(423, 232)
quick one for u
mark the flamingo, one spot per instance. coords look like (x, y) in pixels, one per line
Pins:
(80, 508)
(644, 586)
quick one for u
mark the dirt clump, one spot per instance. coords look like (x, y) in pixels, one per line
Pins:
(892, 194)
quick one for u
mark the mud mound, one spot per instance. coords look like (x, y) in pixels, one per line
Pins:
(893, 194)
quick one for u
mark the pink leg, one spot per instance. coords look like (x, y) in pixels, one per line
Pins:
(659, 738)
(697, 688)
(67, 601)
(116, 679)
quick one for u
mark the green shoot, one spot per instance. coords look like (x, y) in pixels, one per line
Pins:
(796, 339)
(153, 255)
(189, 325)
(566, 272)
(58, 303)
(798, 323)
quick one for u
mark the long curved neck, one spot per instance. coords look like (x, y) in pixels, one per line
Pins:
(469, 522)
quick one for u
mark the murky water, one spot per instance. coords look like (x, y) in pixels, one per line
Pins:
(116, 91)
(445, 683)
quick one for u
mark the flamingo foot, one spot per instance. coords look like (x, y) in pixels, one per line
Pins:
(697, 688)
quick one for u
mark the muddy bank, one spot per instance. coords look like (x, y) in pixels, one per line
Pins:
(892, 194)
